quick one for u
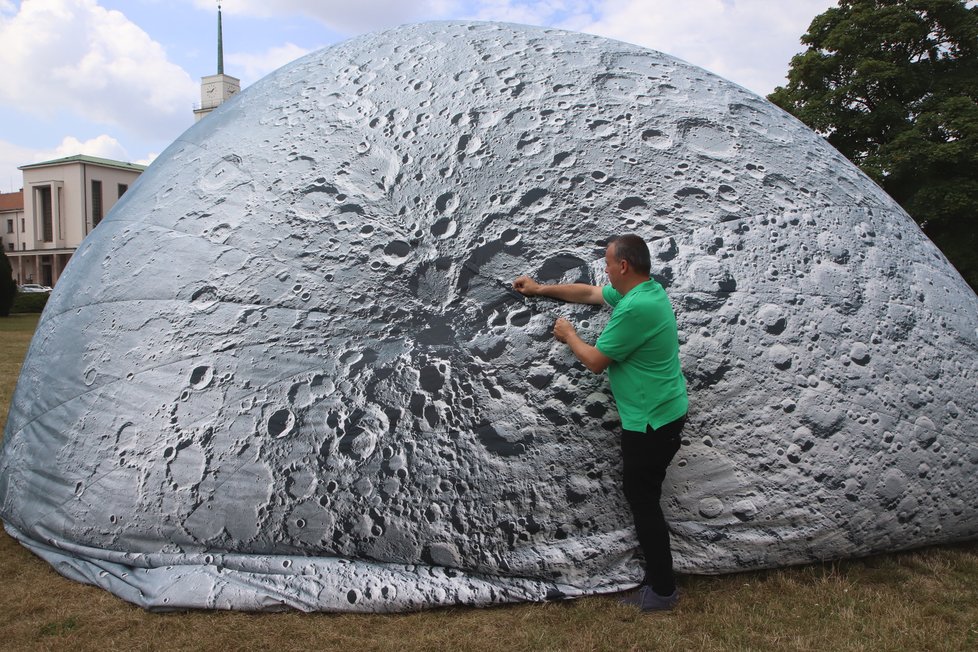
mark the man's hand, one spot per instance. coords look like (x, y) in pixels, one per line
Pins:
(591, 357)
(526, 286)
(563, 329)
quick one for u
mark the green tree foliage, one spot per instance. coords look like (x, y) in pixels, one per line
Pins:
(893, 85)
(8, 288)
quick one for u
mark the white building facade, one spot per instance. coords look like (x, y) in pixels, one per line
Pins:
(11, 219)
(63, 201)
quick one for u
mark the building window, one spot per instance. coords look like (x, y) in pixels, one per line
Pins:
(47, 213)
(96, 202)
(10, 226)
(10, 246)
(122, 189)
(23, 226)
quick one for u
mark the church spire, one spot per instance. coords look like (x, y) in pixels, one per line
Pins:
(220, 43)
(216, 89)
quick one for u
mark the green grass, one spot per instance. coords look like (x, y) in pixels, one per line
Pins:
(60, 627)
(15, 336)
(920, 600)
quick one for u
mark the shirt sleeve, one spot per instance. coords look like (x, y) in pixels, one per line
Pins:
(610, 295)
(622, 335)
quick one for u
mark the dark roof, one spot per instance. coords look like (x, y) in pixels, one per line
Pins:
(81, 158)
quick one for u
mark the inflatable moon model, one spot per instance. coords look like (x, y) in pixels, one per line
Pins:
(288, 370)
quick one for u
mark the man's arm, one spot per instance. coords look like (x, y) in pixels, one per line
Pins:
(572, 292)
(590, 356)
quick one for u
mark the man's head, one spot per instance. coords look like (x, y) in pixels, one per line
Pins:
(627, 262)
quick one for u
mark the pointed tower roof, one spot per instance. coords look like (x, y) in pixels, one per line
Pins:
(216, 89)
(220, 43)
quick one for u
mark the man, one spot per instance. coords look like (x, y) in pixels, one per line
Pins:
(640, 349)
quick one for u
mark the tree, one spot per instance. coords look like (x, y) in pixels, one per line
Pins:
(8, 288)
(893, 85)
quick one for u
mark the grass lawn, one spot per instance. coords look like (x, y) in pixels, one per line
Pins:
(15, 336)
(920, 600)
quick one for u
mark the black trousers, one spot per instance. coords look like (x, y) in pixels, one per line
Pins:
(646, 456)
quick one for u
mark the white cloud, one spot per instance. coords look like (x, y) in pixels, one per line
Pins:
(146, 160)
(748, 41)
(13, 156)
(345, 16)
(103, 146)
(75, 55)
(250, 67)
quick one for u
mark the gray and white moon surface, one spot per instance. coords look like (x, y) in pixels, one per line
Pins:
(287, 371)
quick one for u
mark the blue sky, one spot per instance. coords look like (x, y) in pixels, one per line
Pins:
(119, 79)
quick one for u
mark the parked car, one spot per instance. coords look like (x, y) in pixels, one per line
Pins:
(27, 288)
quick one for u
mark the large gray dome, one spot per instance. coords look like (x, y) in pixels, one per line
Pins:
(286, 370)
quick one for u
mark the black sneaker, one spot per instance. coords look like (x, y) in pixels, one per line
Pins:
(648, 600)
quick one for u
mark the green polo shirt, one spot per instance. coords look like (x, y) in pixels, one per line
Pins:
(641, 339)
